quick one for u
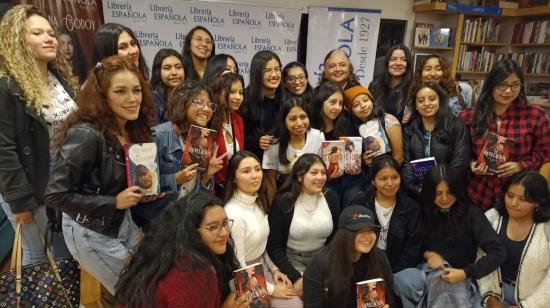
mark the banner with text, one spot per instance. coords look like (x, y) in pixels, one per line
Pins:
(355, 31)
(238, 30)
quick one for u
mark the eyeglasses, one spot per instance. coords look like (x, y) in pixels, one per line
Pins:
(202, 104)
(201, 40)
(276, 70)
(293, 79)
(503, 86)
(216, 228)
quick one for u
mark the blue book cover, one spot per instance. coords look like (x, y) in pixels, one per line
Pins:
(440, 37)
(421, 167)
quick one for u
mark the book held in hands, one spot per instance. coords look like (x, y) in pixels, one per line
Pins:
(142, 167)
(495, 152)
(199, 147)
(371, 294)
(252, 279)
(352, 154)
(421, 167)
(374, 137)
(333, 156)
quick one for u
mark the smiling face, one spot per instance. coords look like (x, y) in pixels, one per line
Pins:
(41, 39)
(333, 105)
(201, 45)
(427, 103)
(236, 96)
(506, 97)
(230, 65)
(337, 68)
(361, 107)
(171, 72)
(196, 115)
(296, 81)
(66, 47)
(124, 97)
(248, 176)
(397, 65)
(297, 122)
(215, 241)
(365, 240)
(432, 71)
(387, 182)
(272, 75)
(516, 204)
(313, 181)
(128, 47)
(444, 198)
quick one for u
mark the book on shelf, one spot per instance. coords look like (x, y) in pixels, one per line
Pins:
(532, 32)
(333, 156)
(421, 167)
(508, 5)
(199, 147)
(481, 30)
(142, 167)
(371, 294)
(495, 151)
(439, 37)
(252, 279)
(353, 148)
(530, 62)
(422, 37)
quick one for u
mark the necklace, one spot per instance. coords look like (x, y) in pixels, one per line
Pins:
(314, 207)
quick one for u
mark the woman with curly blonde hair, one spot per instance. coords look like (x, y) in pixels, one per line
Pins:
(35, 99)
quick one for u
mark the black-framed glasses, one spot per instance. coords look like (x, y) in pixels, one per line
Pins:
(293, 79)
(201, 104)
(216, 228)
(503, 86)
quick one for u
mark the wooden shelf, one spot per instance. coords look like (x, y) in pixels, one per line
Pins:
(483, 44)
(472, 73)
(441, 7)
(538, 75)
(533, 11)
(430, 7)
(531, 45)
(433, 48)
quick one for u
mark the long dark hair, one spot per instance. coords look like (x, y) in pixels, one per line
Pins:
(282, 134)
(216, 65)
(106, 44)
(156, 81)
(536, 191)
(292, 187)
(382, 89)
(230, 181)
(191, 73)
(484, 113)
(220, 86)
(79, 63)
(173, 240)
(320, 95)
(448, 225)
(446, 82)
(251, 109)
(181, 98)
(376, 113)
(445, 122)
(352, 78)
(308, 93)
(340, 252)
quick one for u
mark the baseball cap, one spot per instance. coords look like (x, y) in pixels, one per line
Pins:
(357, 217)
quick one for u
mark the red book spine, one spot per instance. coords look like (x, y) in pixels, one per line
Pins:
(128, 168)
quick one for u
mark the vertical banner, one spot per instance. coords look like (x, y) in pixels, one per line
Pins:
(238, 30)
(76, 22)
(355, 31)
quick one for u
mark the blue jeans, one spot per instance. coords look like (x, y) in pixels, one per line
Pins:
(101, 255)
(508, 296)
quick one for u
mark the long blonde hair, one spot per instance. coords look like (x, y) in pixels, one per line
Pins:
(17, 60)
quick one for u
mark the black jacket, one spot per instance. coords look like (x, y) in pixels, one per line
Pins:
(404, 244)
(316, 285)
(280, 217)
(88, 175)
(24, 148)
(450, 148)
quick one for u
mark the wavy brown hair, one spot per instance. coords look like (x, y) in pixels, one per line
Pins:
(446, 82)
(220, 85)
(17, 60)
(93, 107)
(180, 99)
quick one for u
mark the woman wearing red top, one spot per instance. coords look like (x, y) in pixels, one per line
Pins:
(227, 93)
(502, 110)
(184, 260)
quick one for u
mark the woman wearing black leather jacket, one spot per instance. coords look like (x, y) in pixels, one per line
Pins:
(88, 182)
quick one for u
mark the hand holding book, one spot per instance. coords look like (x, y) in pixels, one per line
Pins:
(508, 169)
(186, 174)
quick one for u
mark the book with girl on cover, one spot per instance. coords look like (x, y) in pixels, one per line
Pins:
(142, 167)
(495, 152)
(252, 279)
(200, 145)
(371, 294)
(333, 156)
(353, 147)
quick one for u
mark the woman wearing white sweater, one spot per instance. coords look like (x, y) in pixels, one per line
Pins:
(522, 223)
(246, 204)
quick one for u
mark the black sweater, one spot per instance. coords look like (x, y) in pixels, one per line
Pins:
(404, 244)
(462, 253)
(265, 125)
(280, 217)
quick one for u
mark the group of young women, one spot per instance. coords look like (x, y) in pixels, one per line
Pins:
(316, 235)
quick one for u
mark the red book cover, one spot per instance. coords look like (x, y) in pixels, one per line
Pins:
(371, 294)
(142, 166)
(333, 156)
(353, 147)
(495, 152)
(199, 147)
(251, 278)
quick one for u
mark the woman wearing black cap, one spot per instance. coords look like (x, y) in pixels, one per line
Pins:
(352, 256)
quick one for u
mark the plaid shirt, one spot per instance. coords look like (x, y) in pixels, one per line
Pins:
(529, 127)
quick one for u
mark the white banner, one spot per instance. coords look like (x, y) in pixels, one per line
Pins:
(238, 30)
(353, 30)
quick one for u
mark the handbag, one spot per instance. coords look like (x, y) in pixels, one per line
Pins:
(53, 283)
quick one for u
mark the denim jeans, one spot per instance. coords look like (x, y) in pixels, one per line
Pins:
(101, 255)
(509, 298)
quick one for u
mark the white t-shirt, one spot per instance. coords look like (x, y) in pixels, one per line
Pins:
(384, 217)
(314, 140)
(311, 223)
(227, 131)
